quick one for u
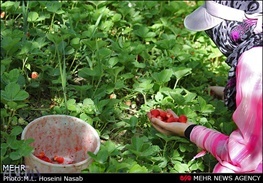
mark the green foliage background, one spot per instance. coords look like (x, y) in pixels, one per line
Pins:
(109, 63)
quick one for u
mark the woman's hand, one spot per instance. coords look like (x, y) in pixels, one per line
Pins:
(217, 91)
(174, 128)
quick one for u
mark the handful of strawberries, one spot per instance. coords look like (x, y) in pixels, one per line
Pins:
(167, 117)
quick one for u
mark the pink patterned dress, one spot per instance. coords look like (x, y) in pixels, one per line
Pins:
(241, 151)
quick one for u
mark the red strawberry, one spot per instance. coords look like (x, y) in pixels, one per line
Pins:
(155, 112)
(45, 158)
(182, 118)
(58, 159)
(167, 117)
(41, 155)
(163, 114)
(172, 119)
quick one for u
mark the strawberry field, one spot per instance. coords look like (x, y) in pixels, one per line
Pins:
(109, 63)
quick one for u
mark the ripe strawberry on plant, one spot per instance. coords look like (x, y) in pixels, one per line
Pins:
(34, 75)
(3, 14)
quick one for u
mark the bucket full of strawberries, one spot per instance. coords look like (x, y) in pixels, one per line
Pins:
(61, 144)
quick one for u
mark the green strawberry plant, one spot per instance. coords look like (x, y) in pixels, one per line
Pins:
(109, 63)
(14, 150)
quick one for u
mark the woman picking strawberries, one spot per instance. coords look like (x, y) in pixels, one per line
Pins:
(236, 29)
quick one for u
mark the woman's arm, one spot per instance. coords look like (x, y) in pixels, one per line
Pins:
(242, 150)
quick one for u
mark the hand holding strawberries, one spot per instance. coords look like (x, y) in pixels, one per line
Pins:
(168, 116)
(167, 122)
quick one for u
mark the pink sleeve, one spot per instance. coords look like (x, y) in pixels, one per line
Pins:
(241, 151)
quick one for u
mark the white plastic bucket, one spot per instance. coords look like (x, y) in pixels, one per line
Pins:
(61, 135)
